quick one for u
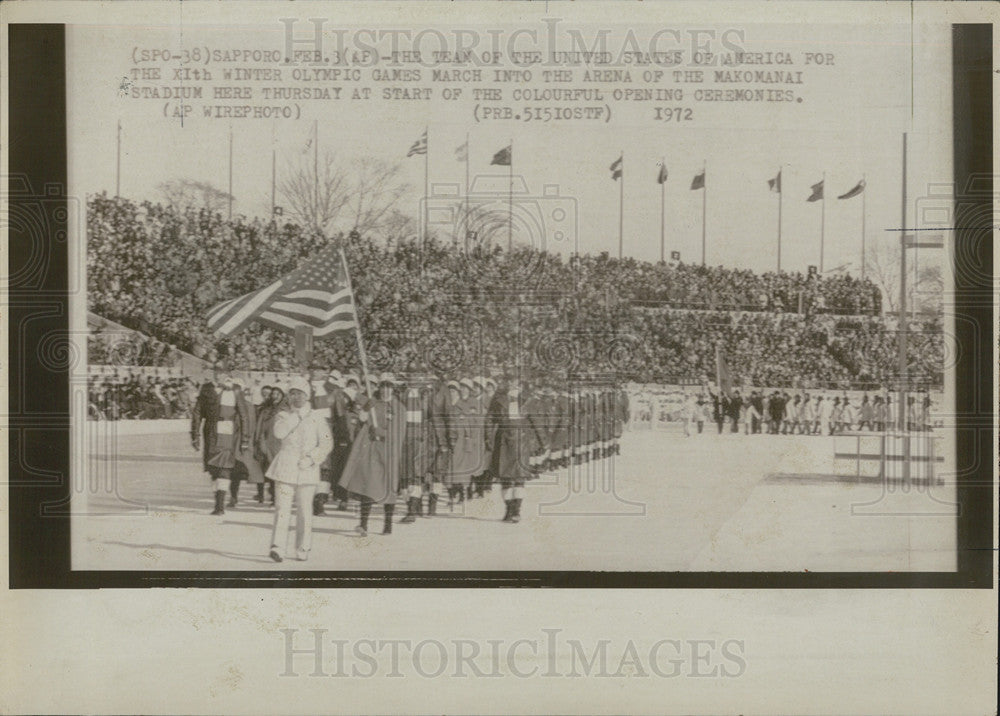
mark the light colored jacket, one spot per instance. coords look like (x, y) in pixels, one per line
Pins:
(303, 433)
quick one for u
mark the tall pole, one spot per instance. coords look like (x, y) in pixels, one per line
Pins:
(357, 332)
(427, 173)
(663, 213)
(822, 224)
(230, 172)
(704, 201)
(118, 168)
(465, 239)
(621, 206)
(903, 327)
(510, 198)
(780, 193)
(316, 173)
(863, 256)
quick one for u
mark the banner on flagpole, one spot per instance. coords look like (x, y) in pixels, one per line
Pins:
(419, 146)
(616, 168)
(860, 187)
(502, 158)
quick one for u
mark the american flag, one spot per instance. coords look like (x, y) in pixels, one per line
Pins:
(419, 146)
(318, 294)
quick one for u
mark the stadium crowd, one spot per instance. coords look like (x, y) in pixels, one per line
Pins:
(433, 307)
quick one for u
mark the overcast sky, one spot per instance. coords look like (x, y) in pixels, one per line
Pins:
(885, 80)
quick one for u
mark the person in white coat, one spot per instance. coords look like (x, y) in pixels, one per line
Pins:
(305, 442)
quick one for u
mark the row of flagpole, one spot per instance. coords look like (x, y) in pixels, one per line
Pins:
(504, 157)
(699, 182)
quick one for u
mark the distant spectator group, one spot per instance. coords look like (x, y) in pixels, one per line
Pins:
(430, 306)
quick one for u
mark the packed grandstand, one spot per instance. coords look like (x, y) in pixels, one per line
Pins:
(431, 306)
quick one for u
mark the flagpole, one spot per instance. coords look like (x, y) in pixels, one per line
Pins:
(704, 201)
(427, 174)
(274, 166)
(822, 223)
(118, 168)
(316, 173)
(465, 239)
(663, 210)
(863, 192)
(357, 333)
(779, 218)
(230, 172)
(510, 199)
(621, 205)
(903, 323)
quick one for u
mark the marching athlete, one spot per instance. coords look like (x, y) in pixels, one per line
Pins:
(305, 443)
(517, 432)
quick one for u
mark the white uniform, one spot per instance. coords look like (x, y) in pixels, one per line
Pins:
(305, 442)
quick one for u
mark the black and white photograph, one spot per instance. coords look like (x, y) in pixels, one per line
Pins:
(561, 339)
(656, 306)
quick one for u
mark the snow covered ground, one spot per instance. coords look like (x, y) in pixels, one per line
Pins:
(667, 503)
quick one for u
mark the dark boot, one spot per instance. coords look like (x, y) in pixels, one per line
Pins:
(366, 509)
(411, 511)
(220, 503)
(469, 491)
(260, 493)
(318, 502)
(432, 505)
(387, 529)
(515, 515)
(510, 511)
(234, 492)
(418, 502)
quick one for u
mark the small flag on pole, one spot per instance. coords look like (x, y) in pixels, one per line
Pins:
(616, 169)
(855, 191)
(775, 184)
(817, 192)
(699, 181)
(419, 146)
(502, 158)
(462, 152)
(279, 211)
(316, 294)
(661, 178)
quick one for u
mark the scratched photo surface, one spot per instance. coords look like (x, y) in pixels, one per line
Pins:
(539, 295)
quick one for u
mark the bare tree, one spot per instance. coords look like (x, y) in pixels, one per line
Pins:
(184, 194)
(375, 190)
(923, 290)
(360, 197)
(313, 191)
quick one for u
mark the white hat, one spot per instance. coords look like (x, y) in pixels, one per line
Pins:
(299, 383)
(467, 382)
(349, 377)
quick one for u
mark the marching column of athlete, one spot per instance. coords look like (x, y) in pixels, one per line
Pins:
(424, 439)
